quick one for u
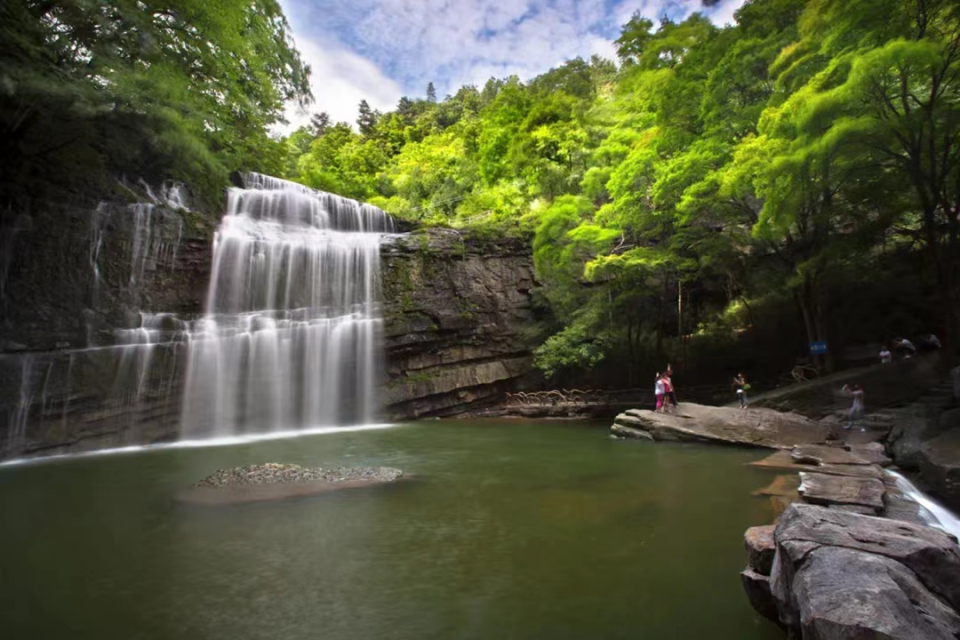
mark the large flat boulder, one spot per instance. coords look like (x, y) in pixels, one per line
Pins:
(820, 488)
(726, 425)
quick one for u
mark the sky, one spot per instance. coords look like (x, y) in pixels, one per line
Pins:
(380, 50)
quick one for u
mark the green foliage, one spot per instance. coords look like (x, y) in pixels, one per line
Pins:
(174, 89)
(753, 167)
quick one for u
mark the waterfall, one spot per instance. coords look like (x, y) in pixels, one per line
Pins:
(932, 513)
(290, 337)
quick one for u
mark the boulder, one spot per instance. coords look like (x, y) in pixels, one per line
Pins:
(760, 548)
(929, 553)
(820, 488)
(844, 593)
(726, 425)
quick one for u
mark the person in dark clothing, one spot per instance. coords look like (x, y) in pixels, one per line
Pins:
(740, 384)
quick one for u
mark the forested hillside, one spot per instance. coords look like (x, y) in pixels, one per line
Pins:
(717, 197)
(720, 196)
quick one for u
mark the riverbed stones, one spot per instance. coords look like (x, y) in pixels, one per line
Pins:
(272, 481)
(821, 488)
(726, 425)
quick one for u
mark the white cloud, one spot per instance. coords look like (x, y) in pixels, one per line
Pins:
(340, 79)
(379, 50)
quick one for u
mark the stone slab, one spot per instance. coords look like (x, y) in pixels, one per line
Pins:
(822, 454)
(763, 428)
(820, 488)
(783, 461)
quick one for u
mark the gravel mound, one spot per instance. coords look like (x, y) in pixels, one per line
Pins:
(273, 473)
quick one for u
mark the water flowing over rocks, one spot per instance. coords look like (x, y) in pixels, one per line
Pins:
(272, 481)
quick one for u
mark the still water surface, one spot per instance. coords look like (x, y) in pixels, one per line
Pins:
(507, 530)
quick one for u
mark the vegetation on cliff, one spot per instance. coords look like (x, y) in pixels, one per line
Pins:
(167, 89)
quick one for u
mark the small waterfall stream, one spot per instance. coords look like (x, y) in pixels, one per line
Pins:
(290, 338)
(932, 513)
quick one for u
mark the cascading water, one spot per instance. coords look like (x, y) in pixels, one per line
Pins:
(291, 333)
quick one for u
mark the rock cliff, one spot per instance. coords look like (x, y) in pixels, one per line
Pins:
(455, 309)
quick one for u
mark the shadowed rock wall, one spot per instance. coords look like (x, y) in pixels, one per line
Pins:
(455, 310)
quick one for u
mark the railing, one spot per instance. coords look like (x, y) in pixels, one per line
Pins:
(597, 397)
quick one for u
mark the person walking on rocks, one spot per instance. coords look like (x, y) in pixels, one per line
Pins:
(740, 384)
(856, 410)
(659, 392)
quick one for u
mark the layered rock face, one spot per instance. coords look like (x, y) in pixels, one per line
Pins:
(454, 312)
(78, 285)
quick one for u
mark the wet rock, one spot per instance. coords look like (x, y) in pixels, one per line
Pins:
(757, 587)
(940, 466)
(820, 488)
(622, 431)
(726, 425)
(760, 548)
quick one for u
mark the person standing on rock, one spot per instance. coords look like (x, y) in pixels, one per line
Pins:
(740, 384)
(885, 356)
(670, 396)
(856, 411)
(659, 391)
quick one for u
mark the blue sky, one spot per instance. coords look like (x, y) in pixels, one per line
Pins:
(380, 50)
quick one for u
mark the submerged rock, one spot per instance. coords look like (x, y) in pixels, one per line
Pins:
(272, 481)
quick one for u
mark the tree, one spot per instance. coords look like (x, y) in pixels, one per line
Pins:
(367, 119)
(173, 89)
(320, 123)
(431, 93)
